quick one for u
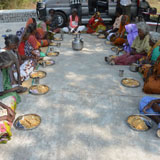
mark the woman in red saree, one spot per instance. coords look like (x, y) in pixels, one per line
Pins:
(96, 24)
(40, 34)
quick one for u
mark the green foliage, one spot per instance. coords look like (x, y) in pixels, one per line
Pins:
(16, 4)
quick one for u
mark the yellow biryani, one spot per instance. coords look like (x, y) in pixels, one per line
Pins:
(40, 89)
(49, 62)
(57, 39)
(130, 82)
(137, 123)
(53, 44)
(101, 36)
(39, 74)
(52, 54)
(30, 121)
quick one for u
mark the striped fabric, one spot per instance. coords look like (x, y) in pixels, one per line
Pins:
(75, 1)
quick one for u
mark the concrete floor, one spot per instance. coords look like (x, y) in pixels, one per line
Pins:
(84, 114)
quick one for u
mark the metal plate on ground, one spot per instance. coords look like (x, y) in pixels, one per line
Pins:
(139, 122)
(27, 122)
(130, 83)
(49, 62)
(38, 74)
(52, 54)
(39, 89)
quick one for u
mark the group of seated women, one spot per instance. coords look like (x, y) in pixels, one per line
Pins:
(137, 44)
(18, 59)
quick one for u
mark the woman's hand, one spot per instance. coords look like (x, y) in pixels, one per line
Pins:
(149, 105)
(11, 115)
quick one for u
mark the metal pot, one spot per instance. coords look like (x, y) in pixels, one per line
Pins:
(134, 67)
(77, 43)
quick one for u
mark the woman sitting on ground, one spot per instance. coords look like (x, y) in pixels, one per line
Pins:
(132, 33)
(119, 38)
(25, 50)
(116, 24)
(27, 66)
(151, 105)
(7, 116)
(152, 56)
(152, 79)
(32, 37)
(40, 34)
(96, 24)
(140, 47)
(74, 23)
(54, 21)
(7, 82)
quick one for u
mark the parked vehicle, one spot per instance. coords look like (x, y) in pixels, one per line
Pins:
(107, 8)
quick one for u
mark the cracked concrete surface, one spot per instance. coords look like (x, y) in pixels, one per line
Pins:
(84, 114)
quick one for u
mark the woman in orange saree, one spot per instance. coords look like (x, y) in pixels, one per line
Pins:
(96, 24)
(40, 34)
(119, 39)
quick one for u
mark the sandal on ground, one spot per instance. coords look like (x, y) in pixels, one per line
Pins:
(112, 62)
(106, 59)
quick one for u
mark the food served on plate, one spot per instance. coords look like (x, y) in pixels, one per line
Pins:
(39, 89)
(137, 122)
(95, 34)
(52, 54)
(130, 82)
(101, 36)
(38, 74)
(49, 62)
(30, 121)
(57, 39)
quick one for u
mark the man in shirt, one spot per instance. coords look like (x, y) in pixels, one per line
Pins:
(54, 21)
(78, 5)
(126, 6)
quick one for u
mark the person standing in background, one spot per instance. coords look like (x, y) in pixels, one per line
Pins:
(77, 4)
(126, 6)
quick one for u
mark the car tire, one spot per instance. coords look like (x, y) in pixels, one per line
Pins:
(62, 19)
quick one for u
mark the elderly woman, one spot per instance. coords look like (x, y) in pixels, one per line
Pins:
(150, 105)
(140, 47)
(95, 24)
(7, 88)
(74, 23)
(25, 67)
(152, 56)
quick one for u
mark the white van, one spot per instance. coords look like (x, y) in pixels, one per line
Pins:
(107, 8)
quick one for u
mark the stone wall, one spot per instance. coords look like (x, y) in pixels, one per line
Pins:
(20, 15)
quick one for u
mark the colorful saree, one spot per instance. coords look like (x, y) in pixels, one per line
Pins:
(5, 126)
(121, 32)
(95, 24)
(34, 42)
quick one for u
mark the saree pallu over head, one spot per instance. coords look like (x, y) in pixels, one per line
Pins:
(132, 33)
(30, 21)
(5, 126)
(122, 28)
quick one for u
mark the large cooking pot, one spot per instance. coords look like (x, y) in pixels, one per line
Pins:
(77, 43)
